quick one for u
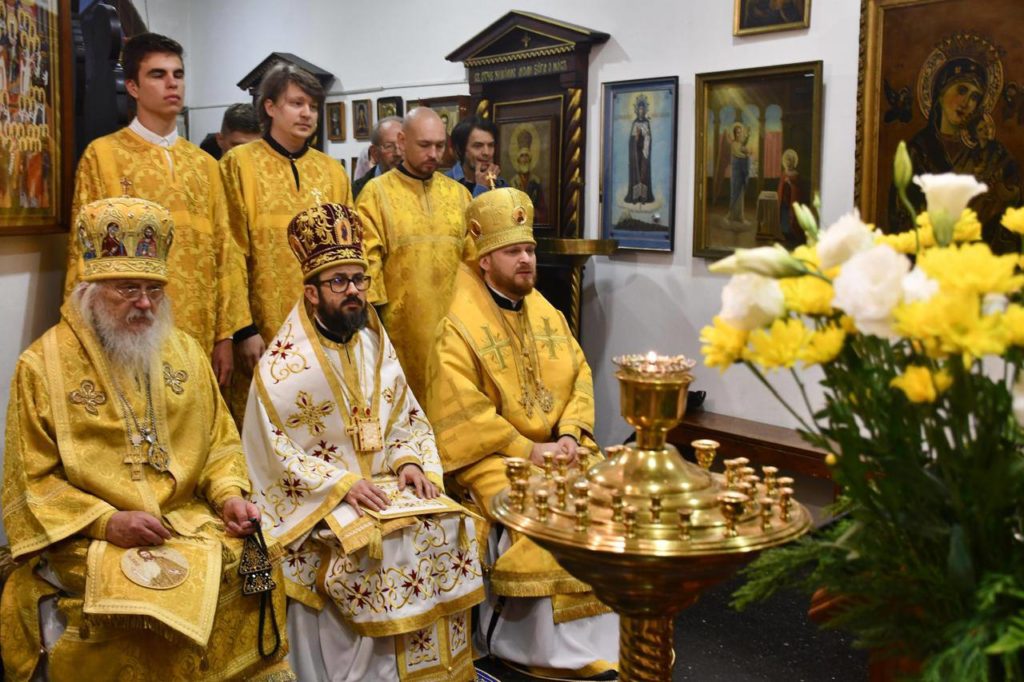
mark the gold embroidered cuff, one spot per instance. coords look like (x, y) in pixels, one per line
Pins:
(569, 430)
(409, 459)
(97, 530)
(225, 494)
(519, 447)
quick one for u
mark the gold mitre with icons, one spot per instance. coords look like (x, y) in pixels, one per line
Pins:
(324, 236)
(124, 238)
(500, 217)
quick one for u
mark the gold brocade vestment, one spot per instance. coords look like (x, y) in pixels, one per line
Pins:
(482, 412)
(415, 239)
(262, 199)
(65, 475)
(204, 286)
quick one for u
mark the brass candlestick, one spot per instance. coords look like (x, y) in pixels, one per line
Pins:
(646, 529)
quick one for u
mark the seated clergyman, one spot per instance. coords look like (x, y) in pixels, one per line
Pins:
(381, 568)
(123, 486)
(509, 380)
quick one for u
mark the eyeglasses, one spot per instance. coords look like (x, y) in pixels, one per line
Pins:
(339, 284)
(133, 292)
(389, 147)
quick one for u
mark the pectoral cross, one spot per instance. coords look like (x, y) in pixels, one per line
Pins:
(491, 177)
(126, 185)
(133, 460)
(318, 196)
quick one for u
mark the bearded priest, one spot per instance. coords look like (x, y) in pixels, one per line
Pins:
(381, 567)
(123, 485)
(508, 379)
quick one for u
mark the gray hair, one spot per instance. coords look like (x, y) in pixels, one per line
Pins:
(375, 136)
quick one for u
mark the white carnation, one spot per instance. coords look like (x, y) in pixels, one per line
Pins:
(918, 286)
(868, 288)
(847, 236)
(750, 301)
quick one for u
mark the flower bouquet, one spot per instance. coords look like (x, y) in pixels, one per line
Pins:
(920, 338)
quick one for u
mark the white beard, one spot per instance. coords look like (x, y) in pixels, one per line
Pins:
(132, 350)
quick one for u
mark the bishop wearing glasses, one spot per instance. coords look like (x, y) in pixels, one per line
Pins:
(381, 569)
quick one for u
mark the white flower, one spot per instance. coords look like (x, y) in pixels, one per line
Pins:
(869, 286)
(918, 286)
(770, 261)
(947, 195)
(1018, 401)
(750, 301)
(846, 237)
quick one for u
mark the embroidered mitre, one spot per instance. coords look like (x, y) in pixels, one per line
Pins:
(324, 236)
(124, 238)
(500, 218)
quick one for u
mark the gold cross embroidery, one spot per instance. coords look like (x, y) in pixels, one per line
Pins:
(310, 414)
(550, 339)
(88, 397)
(174, 380)
(126, 185)
(494, 346)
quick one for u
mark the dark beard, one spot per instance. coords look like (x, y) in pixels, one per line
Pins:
(341, 322)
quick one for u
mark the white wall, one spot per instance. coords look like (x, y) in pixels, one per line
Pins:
(632, 302)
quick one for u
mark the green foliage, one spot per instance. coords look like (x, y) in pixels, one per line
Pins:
(930, 559)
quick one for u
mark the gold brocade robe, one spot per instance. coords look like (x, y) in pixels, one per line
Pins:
(65, 475)
(474, 401)
(204, 287)
(415, 239)
(262, 199)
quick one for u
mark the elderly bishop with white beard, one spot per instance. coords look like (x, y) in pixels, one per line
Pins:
(123, 486)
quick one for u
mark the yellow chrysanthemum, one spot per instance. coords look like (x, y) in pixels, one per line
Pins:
(902, 242)
(847, 324)
(971, 268)
(920, 385)
(1013, 323)
(951, 323)
(968, 227)
(823, 346)
(778, 346)
(1013, 220)
(807, 295)
(723, 343)
(807, 254)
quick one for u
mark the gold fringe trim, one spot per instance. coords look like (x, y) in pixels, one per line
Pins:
(401, 626)
(464, 543)
(132, 622)
(508, 584)
(375, 546)
(588, 607)
(280, 673)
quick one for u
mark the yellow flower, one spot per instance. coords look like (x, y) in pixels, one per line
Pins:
(967, 228)
(902, 242)
(831, 459)
(1013, 220)
(807, 295)
(950, 323)
(848, 325)
(779, 346)
(920, 385)
(724, 343)
(1013, 323)
(823, 346)
(807, 254)
(971, 268)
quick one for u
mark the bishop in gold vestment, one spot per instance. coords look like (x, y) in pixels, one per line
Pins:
(206, 289)
(509, 380)
(122, 468)
(263, 194)
(415, 240)
(381, 583)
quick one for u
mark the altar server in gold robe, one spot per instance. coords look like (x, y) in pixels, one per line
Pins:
(415, 239)
(267, 182)
(509, 380)
(123, 485)
(148, 159)
(380, 567)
